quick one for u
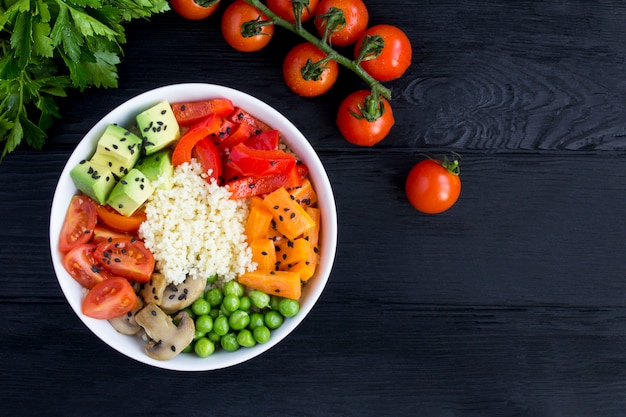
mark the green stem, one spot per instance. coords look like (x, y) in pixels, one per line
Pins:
(376, 87)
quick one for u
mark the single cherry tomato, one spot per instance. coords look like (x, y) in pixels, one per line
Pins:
(307, 71)
(345, 19)
(109, 299)
(394, 52)
(126, 257)
(364, 120)
(285, 9)
(195, 9)
(245, 28)
(111, 218)
(81, 264)
(80, 220)
(433, 186)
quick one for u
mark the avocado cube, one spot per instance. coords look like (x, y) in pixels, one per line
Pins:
(94, 181)
(158, 127)
(132, 190)
(158, 168)
(119, 149)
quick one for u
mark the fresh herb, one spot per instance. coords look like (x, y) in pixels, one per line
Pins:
(51, 46)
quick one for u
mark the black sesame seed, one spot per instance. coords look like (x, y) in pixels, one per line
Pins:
(154, 313)
(293, 215)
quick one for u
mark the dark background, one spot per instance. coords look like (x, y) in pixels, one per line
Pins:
(512, 303)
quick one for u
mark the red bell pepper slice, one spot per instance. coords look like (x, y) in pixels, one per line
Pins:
(239, 115)
(250, 186)
(190, 112)
(209, 157)
(260, 163)
(232, 134)
(265, 140)
(183, 150)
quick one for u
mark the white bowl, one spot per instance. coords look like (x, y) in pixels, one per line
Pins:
(124, 114)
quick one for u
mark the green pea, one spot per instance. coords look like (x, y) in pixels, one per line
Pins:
(256, 320)
(213, 337)
(245, 338)
(244, 303)
(288, 307)
(274, 301)
(259, 299)
(261, 334)
(273, 319)
(190, 312)
(188, 348)
(224, 311)
(204, 323)
(198, 334)
(220, 325)
(211, 279)
(238, 320)
(231, 302)
(229, 342)
(214, 312)
(214, 296)
(233, 288)
(200, 307)
(204, 347)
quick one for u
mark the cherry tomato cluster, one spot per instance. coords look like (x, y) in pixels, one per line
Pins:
(379, 53)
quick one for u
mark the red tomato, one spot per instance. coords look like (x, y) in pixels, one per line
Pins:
(80, 220)
(195, 10)
(307, 73)
(102, 233)
(433, 186)
(355, 15)
(111, 218)
(245, 28)
(353, 122)
(284, 9)
(260, 163)
(191, 112)
(395, 56)
(209, 157)
(81, 264)
(109, 299)
(126, 257)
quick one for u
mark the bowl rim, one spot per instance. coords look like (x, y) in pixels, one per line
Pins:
(124, 114)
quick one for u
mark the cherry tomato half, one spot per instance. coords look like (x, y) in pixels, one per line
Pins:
(306, 74)
(126, 257)
(111, 218)
(80, 220)
(245, 28)
(356, 19)
(81, 264)
(433, 186)
(195, 9)
(284, 9)
(354, 125)
(109, 299)
(394, 58)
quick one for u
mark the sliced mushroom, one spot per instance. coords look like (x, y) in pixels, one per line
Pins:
(127, 324)
(166, 338)
(177, 297)
(152, 291)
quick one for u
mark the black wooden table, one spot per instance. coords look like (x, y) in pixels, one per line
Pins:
(512, 303)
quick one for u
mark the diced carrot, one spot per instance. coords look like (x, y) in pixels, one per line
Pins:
(281, 283)
(264, 254)
(258, 222)
(304, 194)
(290, 252)
(291, 219)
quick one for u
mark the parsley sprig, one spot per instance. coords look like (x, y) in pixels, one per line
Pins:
(51, 46)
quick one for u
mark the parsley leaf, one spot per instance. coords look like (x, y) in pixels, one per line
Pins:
(48, 47)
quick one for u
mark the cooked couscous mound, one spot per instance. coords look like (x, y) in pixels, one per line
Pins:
(194, 229)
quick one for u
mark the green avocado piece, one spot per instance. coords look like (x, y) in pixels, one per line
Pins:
(158, 127)
(93, 180)
(158, 167)
(119, 149)
(132, 190)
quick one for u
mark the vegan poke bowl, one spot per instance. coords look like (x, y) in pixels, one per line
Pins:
(193, 228)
